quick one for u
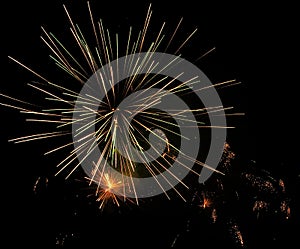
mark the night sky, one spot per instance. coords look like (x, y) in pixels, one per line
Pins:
(255, 45)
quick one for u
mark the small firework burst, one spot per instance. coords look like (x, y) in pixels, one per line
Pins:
(110, 190)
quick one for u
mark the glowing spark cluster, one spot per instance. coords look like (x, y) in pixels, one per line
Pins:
(223, 200)
(106, 194)
(235, 232)
(206, 201)
(260, 206)
(285, 208)
(260, 183)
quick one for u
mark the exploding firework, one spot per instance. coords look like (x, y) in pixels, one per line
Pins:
(120, 112)
(105, 194)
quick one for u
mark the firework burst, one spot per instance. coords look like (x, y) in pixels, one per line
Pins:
(119, 113)
(107, 193)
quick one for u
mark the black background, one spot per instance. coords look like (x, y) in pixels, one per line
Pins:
(255, 44)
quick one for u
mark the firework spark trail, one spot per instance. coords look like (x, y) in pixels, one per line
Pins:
(107, 127)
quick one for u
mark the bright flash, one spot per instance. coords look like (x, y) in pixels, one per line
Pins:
(107, 189)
